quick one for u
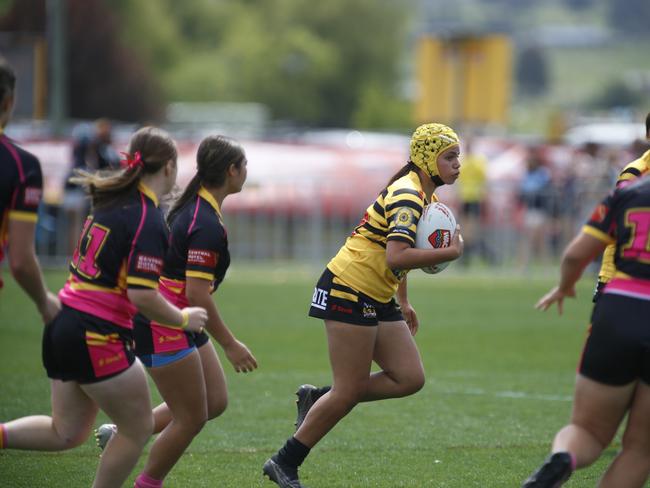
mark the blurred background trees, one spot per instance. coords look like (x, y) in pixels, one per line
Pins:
(340, 63)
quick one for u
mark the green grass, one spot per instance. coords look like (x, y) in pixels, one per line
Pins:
(499, 385)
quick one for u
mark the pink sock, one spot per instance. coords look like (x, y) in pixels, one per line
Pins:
(145, 481)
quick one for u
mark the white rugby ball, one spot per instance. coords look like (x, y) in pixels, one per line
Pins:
(435, 230)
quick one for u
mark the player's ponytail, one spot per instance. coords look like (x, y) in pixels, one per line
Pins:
(403, 171)
(150, 149)
(213, 158)
(190, 192)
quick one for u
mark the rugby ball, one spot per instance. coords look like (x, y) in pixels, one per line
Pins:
(435, 230)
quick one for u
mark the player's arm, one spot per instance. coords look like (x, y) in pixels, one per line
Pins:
(154, 306)
(198, 294)
(400, 254)
(584, 248)
(25, 268)
(143, 270)
(408, 311)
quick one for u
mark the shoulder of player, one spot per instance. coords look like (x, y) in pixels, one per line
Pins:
(405, 188)
(636, 168)
(18, 156)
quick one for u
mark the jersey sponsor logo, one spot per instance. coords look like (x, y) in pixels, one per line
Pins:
(338, 308)
(369, 311)
(33, 196)
(319, 300)
(148, 264)
(202, 257)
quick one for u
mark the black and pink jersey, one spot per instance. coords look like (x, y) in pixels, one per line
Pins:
(198, 248)
(120, 247)
(623, 218)
(21, 187)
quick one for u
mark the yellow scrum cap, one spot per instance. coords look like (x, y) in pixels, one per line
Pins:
(428, 142)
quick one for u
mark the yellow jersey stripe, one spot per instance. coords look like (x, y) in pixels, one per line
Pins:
(75, 285)
(199, 274)
(598, 234)
(342, 294)
(23, 216)
(134, 280)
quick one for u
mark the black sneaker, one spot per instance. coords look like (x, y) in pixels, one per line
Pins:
(283, 476)
(307, 396)
(553, 473)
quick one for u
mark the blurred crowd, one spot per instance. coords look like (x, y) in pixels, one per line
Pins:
(552, 190)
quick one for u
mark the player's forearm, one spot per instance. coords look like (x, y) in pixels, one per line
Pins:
(154, 306)
(28, 275)
(215, 324)
(412, 258)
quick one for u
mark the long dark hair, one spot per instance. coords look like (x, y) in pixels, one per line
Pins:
(404, 170)
(7, 79)
(213, 158)
(156, 148)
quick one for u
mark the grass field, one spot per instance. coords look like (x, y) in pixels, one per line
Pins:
(499, 385)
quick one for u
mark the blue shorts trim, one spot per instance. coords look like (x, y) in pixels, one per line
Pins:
(165, 358)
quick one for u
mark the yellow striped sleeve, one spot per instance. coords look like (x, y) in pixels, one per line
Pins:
(598, 234)
(23, 216)
(199, 274)
(134, 280)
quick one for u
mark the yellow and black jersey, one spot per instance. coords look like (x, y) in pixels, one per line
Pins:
(394, 215)
(635, 169)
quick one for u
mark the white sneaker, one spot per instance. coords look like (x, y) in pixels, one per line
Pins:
(103, 434)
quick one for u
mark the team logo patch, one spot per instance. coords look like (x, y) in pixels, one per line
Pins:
(440, 238)
(148, 264)
(600, 212)
(369, 311)
(202, 257)
(404, 217)
(33, 196)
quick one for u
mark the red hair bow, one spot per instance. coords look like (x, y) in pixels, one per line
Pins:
(132, 162)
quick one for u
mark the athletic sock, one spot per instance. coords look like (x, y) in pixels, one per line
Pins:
(3, 436)
(293, 453)
(145, 481)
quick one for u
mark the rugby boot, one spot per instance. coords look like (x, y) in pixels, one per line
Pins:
(307, 396)
(281, 475)
(553, 473)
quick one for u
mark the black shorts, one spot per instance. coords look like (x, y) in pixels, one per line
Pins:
(154, 338)
(598, 291)
(333, 301)
(617, 350)
(81, 347)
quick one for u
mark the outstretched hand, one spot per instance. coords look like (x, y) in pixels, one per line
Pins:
(240, 356)
(555, 295)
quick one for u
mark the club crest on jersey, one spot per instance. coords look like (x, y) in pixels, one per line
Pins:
(440, 238)
(600, 212)
(404, 217)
